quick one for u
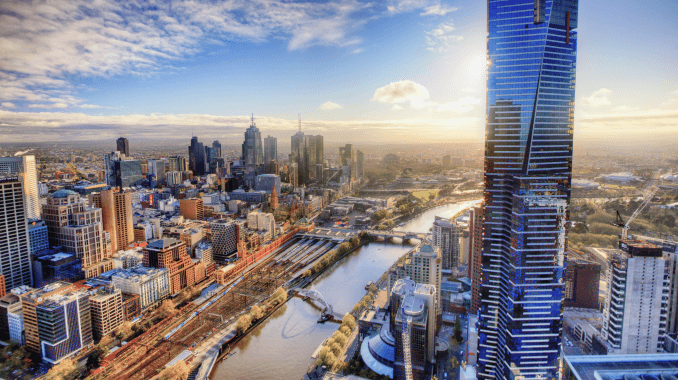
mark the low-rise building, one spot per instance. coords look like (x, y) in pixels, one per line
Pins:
(152, 285)
(106, 310)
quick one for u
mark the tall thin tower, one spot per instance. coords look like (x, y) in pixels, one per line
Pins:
(531, 50)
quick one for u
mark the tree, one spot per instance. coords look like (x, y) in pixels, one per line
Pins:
(307, 273)
(123, 331)
(330, 359)
(345, 330)
(166, 309)
(64, 370)
(343, 248)
(354, 241)
(348, 320)
(457, 330)
(257, 312)
(94, 359)
(340, 338)
(244, 322)
(178, 371)
(335, 348)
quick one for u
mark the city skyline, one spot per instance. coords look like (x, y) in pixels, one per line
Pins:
(155, 80)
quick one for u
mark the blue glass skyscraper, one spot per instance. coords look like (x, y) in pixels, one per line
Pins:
(531, 49)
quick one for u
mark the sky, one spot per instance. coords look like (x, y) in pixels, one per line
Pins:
(389, 71)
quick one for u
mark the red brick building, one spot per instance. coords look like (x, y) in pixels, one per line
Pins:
(171, 254)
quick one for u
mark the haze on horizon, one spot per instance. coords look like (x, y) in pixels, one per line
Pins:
(400, 71)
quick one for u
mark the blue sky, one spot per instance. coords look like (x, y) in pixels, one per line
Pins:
(391, 71)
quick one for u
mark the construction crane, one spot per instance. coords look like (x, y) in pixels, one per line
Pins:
(648, 193)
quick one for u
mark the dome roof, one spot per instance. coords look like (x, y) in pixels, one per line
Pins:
(63, 193)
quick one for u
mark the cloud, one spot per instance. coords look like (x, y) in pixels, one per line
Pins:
(598, 98)
(401, 6)
(331, 106)
(7, 105)
(402, 91)
(437, 10)
(418, 97)
(442, 37)
(46, 42)
(358, 51)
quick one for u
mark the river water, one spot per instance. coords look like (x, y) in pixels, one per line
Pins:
(281, 347)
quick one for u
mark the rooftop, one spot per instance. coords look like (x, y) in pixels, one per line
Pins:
(63, 193)
(163, 243)
(614, 367)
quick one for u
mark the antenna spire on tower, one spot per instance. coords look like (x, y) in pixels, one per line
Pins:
(252, 118)
(300, 122)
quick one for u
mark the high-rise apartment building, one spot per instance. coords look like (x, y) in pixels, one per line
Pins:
(15, 248)
(307, 152)
(121, 171)
(270, 149)
(475, 254)
(634, 317)
(348, 158)
(445, 236)
(25, 169)
(156, 169)
(216, 149)
(531, 53)
(152, 285)
(122, 146)
(192, 209)
(252, 150)
(171, 254)
(106, 309)
(225, 239)
(197, 161)
(176, 164)
(79, 229)
(116, 214)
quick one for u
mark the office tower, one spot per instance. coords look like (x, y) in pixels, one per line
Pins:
(57, 321)
(122, 146)
(116, 214)
(106, 308)
(152, 285)
(121, 171)
(293, 169)
(57, 266)
(216, 148)
(15, 249)
(446, 234)
(528, 169)
(360, 162)
(196, 157)
(78, 228)
(25, 168)
(225, 239)
(171, 254)
(348, 158)
(37, 234)
(582, 280)
(176, 164)
(634, 317)
(268, 182)
(671, 263)
(173, 178)
(209, 154)
(192, 209)
(252, 150)
(156, 168)
(475, 250)
(270, 149)
(307, 152)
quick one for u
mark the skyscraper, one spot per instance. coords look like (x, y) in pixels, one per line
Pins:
(252, 150)
(270, 149)
(196, 157)
(475, 254)
(116, 214)
(360, 162)
(347, 156)
(307, 152)
(528, 168)
(24, 167)
(216, 148)
(15, 262)
(122, 146)
(446, 235)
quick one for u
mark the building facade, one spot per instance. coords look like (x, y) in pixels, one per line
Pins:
(267, 183)
(15, 248)
(37, 234)
(475, 254)
(270, 149)
(197, 161)
(106, 309)
(25, 169)
(152, 285)
(307, 152)
(192, 209)
(122, 146)
(582, 281)
(171, 254)
(531, 50)
(252, 150)
(225, 239)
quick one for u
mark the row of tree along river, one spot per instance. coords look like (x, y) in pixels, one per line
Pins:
(281, 347)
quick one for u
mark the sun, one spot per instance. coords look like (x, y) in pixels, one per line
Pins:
(476, 69)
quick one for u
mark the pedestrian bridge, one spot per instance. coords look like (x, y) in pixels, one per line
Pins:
(327, 313)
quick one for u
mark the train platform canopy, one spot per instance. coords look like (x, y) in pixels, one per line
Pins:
(182, 356)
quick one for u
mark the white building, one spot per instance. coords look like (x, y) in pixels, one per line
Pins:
(16, 326)
(128, 259)
(24, 167)
(634, 317)
(151, 284)
(203, 252)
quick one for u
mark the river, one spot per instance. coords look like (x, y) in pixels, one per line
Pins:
(281, 347)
